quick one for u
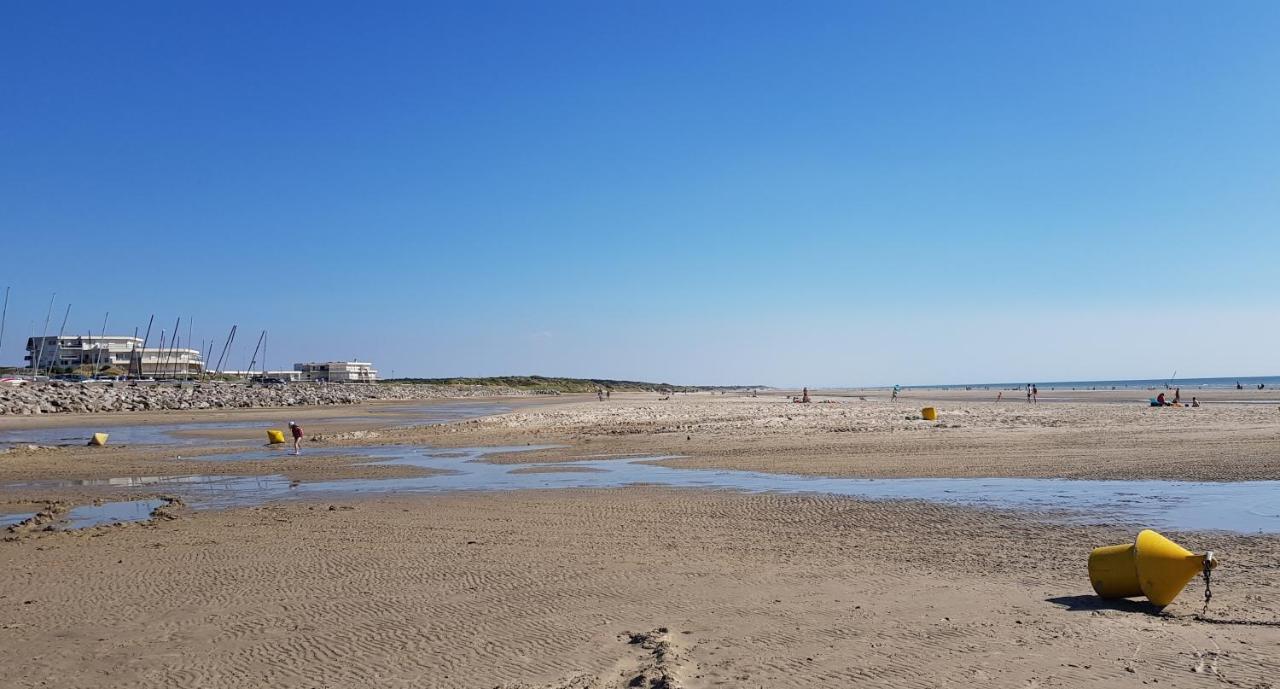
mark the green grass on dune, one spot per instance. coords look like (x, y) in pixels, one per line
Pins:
(543, 383)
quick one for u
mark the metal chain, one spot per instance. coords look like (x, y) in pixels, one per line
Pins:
(1208, 590)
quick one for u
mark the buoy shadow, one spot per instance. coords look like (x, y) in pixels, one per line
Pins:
(1094, 603)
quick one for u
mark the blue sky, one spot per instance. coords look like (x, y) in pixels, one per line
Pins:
(715, 192)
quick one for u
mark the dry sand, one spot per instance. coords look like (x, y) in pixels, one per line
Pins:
(573, 589)
(852, 437)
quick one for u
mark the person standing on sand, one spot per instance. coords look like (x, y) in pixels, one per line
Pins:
(1035, 394)
(1028, 393)
(296, 430)
(1177, 396)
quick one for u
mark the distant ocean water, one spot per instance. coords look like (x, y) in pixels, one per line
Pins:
(1225, 383)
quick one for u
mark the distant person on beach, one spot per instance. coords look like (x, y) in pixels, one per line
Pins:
(600, 394)
(608, 394)
(1177, 396)
(1160, 400)
(296, 430)
(896, 390)
(1194, 402)
(1028, 393)
(1035, 394)
(1239, 386)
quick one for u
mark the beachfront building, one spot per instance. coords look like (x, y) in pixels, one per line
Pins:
(285, 376)
(75, 352)
(337, 372)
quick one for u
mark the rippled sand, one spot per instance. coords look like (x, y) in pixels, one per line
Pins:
(641, 586)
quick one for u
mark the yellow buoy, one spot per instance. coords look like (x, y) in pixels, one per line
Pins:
(929, 414)
(98, 439)
(1153, 566)
(275, 437)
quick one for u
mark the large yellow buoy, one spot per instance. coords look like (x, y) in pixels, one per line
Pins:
(98, 439)
(929, 414)
(275, 437)
(1153, 566)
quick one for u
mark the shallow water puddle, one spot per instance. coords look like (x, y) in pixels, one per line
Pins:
(110, 513)
(93, 515)
(271, 452)
(1249, 506)
(149, 434)
(11, 519)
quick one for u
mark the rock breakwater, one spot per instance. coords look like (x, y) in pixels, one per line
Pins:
(53, 398)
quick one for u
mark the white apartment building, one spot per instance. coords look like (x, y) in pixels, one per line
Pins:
(118, 351)
(337, 372)
(289, 376)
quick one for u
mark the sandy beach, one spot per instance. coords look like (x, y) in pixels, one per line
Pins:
(409, 345)
(841, 436)
(642, 585)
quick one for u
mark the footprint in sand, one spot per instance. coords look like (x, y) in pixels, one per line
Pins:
(656, 667)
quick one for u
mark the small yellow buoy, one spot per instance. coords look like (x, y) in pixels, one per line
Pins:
(929, 414)
(98, 439)
(1153, 566)
(275, 437)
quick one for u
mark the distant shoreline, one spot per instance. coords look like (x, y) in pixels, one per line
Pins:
(1223, 382)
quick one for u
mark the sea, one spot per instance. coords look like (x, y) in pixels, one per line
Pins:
(1223, 383)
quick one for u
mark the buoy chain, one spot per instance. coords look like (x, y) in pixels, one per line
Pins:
(1208, 590)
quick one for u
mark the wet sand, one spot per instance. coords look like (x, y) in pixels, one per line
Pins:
(539, 589)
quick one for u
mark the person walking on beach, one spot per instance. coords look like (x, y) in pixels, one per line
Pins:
(296, 430)
(1035, 394)
(896, 390)
(1177, 396)
(1028, 393)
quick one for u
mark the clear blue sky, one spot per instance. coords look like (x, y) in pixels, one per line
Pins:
(711, 192)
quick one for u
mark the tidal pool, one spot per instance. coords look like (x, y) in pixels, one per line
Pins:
(1245, 506)
(389, 416)
(94, 514)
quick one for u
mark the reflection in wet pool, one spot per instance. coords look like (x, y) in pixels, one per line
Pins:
(11, 519)
(1249, 506)
(151, 434)
(93, 514)
(110, 513)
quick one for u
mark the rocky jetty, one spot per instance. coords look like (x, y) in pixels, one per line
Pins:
(53, 398)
